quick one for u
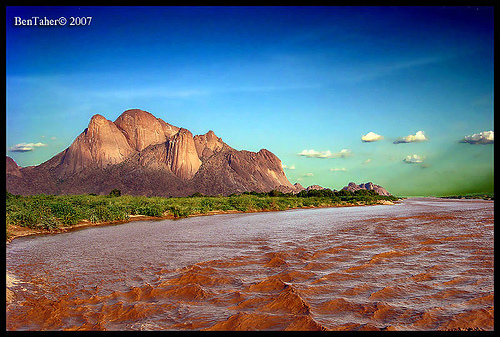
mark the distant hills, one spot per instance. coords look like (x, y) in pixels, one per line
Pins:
(140, 154)
(352, 187)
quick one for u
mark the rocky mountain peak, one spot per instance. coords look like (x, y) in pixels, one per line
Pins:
(100, 144)
(97, 120)
(352, 187)
(315, 187)
(98, 124)
(207, 144)
(298, 187)
(368, 186)
(141, 129)
(12, 167)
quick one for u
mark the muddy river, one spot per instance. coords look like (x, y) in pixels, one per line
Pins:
(421, 264)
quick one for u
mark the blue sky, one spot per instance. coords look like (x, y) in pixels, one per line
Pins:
(307, 83)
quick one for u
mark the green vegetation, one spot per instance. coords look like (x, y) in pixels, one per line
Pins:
(115, 193)
(471, 196)
(52, 212)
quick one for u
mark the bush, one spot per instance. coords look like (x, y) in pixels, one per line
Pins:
(343, 193)
(49, 222)
(151, 210)
(115, 193)
(100, 213)
(275, 193)
(206, 205)
(178, 211)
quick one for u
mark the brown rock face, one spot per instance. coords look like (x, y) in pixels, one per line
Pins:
(106, 143)
(182, 156)
(315, 187)
(298, 187)
(207, 144)
(101, 144)
(168, 129)
(143, 155)
(12, 167)
(272, 169)
(143, 129)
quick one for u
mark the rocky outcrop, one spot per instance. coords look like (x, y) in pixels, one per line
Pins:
(298, 187)
(143, 155)
(142, 129)
(315, 187)
(352, 187)
(101, 144)
(182, 157)
(12, 168)
(207, 144)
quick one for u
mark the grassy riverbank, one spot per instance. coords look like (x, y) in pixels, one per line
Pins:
(471, 196)
(50, 213)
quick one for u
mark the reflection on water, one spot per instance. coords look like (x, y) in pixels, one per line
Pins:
(423, 264)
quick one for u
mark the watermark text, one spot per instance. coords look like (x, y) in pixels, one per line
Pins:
(44, 21)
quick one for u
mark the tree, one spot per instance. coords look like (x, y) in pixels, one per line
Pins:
(275, 193)
(362, 192)
(343, 193)
(115, 193)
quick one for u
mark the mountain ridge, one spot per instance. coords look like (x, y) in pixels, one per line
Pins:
(143, 155)
(352, 187)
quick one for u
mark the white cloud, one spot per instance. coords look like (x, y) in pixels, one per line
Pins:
(418, 137)
(415, 159)
(338, 169)
(309, 174)
(292, 167)
(25, 147)
(367, 161)
(485, 137)
(325, 154)
(311, 153)
(371, 137)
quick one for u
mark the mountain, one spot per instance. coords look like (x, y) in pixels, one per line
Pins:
(315, 187)
(298, 187)
(140, 154)
(368, 186)
(12, 168)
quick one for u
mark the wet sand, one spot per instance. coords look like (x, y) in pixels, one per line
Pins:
(423, 265)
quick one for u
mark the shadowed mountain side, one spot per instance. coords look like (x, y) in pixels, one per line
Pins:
(228, 171)
(231, 171)
(12, 167)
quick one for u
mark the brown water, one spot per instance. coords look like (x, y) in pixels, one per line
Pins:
(422, 264)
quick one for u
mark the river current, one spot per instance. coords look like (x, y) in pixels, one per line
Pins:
(421, 264)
